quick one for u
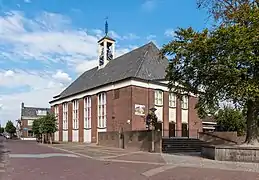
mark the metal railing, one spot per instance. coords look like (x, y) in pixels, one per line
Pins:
(180, 133)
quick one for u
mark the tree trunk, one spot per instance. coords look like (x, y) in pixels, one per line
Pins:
(50, 138)
(252, 124)
(42, 138)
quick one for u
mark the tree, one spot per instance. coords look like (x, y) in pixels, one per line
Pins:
(1, 129)
(231, 119)
(220, 64)
(45, 127)
(36, 128)
(10, 128)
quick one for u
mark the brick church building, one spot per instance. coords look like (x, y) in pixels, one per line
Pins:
(119, 92)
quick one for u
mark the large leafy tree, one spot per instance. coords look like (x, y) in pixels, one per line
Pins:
(221, 64)
(46, 125)
(10, 128)
(231, 119)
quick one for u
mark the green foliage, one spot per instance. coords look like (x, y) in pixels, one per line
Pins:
(48, 124)
(1, 129)
(10, 128)
(221, 64)
(44, 125)
(230, 119)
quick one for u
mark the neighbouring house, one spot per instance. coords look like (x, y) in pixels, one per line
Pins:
(118, 93)
(209, 124)
(28, 115)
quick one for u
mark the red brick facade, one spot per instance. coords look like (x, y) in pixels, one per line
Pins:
(120, 112)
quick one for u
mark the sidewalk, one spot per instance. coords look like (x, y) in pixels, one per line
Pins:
(177, 160)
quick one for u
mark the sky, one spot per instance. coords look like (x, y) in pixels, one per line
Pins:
(46, 44)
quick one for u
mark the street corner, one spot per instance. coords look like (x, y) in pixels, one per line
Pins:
(195, 173)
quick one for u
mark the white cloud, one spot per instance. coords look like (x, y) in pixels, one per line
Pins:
(149, 5)
(27, 1)
(42, 87)
(169, 33)
(8, 73)
(49, 39)
(61, 76)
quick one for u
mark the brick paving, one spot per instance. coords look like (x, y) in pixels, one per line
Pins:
(116, 164)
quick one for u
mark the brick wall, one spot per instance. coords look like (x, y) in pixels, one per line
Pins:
(70, 122)
(81, 120)
(133, 140)
(195, 123)
(141, 96)
(166, 114)
(94, 118)
(60, 111)
(119, 109)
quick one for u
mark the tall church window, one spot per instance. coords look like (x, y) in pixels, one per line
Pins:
(75, 114)
(87, 112)
(102, 110)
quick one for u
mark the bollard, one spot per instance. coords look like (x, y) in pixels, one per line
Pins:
(121, 138)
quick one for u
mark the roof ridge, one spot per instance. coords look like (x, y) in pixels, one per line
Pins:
(142, 61)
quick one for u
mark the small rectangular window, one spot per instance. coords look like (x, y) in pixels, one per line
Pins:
(159, 97)
(172, 100)
(184, 102)
(116, 94)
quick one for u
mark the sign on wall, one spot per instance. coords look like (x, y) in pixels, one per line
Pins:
(139, 110)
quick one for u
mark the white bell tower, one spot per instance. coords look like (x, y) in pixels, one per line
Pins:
(106, 49)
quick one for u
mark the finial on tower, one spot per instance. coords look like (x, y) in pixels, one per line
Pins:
(106, 26)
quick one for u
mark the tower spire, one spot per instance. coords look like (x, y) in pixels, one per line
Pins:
(106, 26)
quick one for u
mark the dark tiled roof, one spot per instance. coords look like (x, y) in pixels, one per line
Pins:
(143, 63)
(32, 111)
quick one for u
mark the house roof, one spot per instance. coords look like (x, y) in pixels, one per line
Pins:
(210, 119)
(32, 111)
(142, 63)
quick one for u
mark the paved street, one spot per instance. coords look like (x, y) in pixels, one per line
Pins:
(28, 160)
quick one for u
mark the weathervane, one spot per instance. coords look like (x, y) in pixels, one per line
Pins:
(106, 26)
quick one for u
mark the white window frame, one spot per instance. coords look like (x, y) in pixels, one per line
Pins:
(56, 112)
(75, 108)
(101, 108)
(184, 103)
(65, 116)
(87, 112)
(159, 97)
(172, 100)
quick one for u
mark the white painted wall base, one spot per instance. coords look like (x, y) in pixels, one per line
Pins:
(29, 139)
(56, 136)
(87, 135)
(65, 136)
(75, 135)
(101, 130)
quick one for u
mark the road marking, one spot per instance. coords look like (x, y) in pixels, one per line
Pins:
(79, 154)
(158, 170)
(46, 155)
(125, 154)
(109, 160)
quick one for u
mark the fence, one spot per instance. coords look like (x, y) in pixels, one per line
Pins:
(184, 133)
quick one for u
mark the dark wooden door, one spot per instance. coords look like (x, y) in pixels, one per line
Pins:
(184, 130)
(171, 129)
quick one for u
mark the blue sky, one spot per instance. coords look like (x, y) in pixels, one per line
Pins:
(46, 44)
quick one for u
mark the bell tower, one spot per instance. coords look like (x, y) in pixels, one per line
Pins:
(106, 48)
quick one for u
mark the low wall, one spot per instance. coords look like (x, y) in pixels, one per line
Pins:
(134, 140)
(231, 153)
(217, 138)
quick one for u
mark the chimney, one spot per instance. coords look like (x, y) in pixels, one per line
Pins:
(22, 105)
